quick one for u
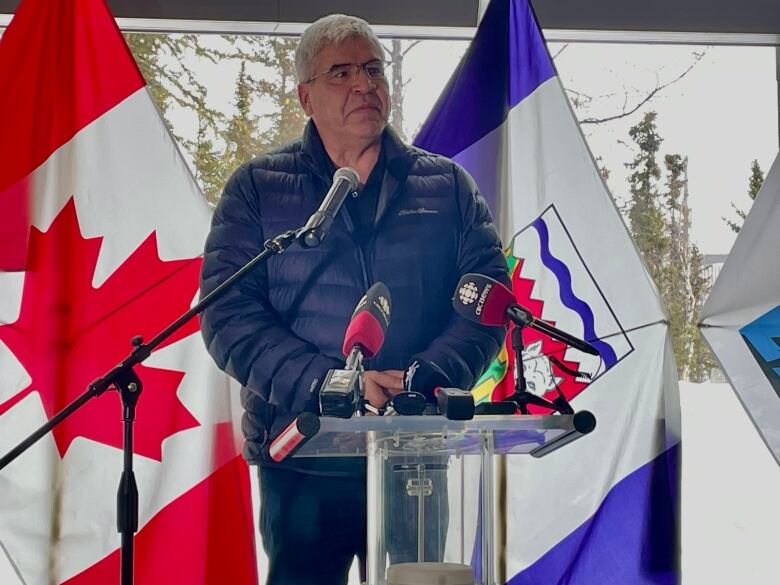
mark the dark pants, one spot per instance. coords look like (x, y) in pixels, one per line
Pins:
(312, 527)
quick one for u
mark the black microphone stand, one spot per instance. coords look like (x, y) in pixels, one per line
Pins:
(521, 397)
(124, 378)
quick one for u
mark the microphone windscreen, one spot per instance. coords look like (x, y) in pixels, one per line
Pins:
(364, 330)
(301, 429)
(482, 299)
(349, 174)
(409, 403)
(369, 322)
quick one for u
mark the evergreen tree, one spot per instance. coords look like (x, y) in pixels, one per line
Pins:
(675, 284)
(754, 186)
(287, 120)
(224, 141)
(242, 140)
(276, 88)
(161, 59)
(660, 223)
(701, 362)
(646, 220)
(210, 173)
(756, 180)
(686, 287)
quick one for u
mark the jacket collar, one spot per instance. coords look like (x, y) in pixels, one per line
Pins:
(314, 154)
(398, 156)
(398, 160)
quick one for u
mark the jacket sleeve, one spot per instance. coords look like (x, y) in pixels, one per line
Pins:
(464, 349)
(243, 333)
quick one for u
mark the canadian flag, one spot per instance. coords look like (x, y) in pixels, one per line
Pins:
(101, 230)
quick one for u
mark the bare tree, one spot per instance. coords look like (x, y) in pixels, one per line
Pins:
(397, 52)
(580, 100)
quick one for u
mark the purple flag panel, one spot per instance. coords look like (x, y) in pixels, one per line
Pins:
(615, 521)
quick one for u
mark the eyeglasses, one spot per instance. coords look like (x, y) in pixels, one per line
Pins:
(342, 74)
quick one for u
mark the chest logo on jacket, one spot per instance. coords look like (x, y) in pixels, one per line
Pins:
(418, 211)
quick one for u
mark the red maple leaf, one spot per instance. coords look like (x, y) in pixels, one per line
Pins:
(68, 333)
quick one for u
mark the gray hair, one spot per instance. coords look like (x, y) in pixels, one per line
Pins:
(333, 29)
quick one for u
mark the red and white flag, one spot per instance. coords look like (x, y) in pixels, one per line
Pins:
(101, 230)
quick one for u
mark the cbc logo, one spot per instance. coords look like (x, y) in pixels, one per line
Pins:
(384, 305)
(468, 293)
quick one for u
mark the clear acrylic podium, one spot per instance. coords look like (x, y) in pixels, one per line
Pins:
(431, 501)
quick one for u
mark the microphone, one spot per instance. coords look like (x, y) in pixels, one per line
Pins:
(484, 300)
(455, 404)
(297, 433)
(408, 404)
(367, 328)
(345, 180)
(342, 389)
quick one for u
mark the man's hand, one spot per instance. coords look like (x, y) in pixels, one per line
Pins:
(382, 386)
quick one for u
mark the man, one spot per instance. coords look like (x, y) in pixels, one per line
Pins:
(417, 225)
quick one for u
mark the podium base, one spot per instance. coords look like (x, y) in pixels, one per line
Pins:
(429, 574)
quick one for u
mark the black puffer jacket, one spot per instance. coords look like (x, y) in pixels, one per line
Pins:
(280, 330)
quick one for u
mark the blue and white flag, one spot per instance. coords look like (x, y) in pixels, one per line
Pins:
(741, 318)
(603, 510)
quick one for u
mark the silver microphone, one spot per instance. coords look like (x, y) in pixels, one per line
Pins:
(345, 181)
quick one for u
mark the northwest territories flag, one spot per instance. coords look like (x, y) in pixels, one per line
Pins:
(103, 227)
(741, 318)
(602, 510)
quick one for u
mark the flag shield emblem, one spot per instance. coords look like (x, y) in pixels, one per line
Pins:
(551, 278)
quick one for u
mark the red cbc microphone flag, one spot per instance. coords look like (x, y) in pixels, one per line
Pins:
(101, 230)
